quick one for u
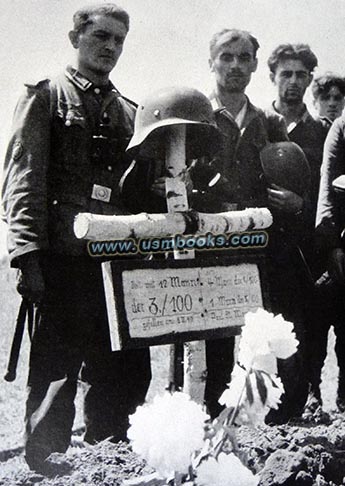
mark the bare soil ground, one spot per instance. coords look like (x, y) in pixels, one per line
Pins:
(293, 454)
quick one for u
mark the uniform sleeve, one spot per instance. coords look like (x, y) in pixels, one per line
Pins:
(24, 192)
(329, 220)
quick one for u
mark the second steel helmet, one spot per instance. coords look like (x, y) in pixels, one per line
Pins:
(284, 164)
(175, 106)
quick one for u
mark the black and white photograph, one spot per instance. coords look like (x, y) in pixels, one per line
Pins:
(172, 243)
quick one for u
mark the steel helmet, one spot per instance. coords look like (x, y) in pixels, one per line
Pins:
(175, 106)
(285, 164)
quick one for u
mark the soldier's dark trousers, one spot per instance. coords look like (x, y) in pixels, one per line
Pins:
(71, 334)
(219, 362)
(329, 309)
(288, 294)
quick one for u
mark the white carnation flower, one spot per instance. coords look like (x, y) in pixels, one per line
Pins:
(260, 359)
(265, 337)
(235, 394)
(166, 432)
(253, 414)
(228, 470)
(254, 393)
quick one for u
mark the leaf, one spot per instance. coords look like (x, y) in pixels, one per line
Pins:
(249, 390)
(261, 386)
(203, 454)
(272, 381)
(222, 417)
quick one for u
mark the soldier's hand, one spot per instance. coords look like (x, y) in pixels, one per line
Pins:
(30, 282)
(284, 200)
(158, 187)
(336, 265)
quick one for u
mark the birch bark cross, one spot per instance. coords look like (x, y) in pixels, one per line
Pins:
(194, 354)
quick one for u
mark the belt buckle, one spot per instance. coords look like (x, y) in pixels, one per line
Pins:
(101, 193)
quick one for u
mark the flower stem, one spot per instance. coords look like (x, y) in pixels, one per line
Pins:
(229, 421)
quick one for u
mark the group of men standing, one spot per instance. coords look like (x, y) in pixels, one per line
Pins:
(67, 155)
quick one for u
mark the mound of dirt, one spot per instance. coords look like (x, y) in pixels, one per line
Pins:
(105, 464)
(300, 453)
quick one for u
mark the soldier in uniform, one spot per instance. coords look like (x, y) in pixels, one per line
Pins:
(232, 180)
(291, 71)
(66, 155)
(239, 183)
(330, 224)
(329, 99)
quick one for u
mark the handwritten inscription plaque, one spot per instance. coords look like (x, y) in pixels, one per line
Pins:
(176, 300)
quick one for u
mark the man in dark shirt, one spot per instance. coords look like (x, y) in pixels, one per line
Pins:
(329, 98)
(291, 71)
(232, 180)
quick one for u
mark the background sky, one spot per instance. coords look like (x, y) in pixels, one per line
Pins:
(167, 44)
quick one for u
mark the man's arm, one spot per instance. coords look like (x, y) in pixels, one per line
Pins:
(276, 127)
(24, 193)
(291, 210)
(279, 197)
(330, 213)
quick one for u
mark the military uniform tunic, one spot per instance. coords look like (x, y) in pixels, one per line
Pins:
(66, 155)
(68, 137)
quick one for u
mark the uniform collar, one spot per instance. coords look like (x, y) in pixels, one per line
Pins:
(247, 113)
(85, 84)
(242, 114)
(305, 117)
(218, 106)
(325, 120)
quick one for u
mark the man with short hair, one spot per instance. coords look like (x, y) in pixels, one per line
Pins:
(234, 180)
(291, 71)
(66, 155)
(328, 96)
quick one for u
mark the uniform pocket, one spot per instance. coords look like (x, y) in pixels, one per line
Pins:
(63, 211)
(71, 139)
(71, 115)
